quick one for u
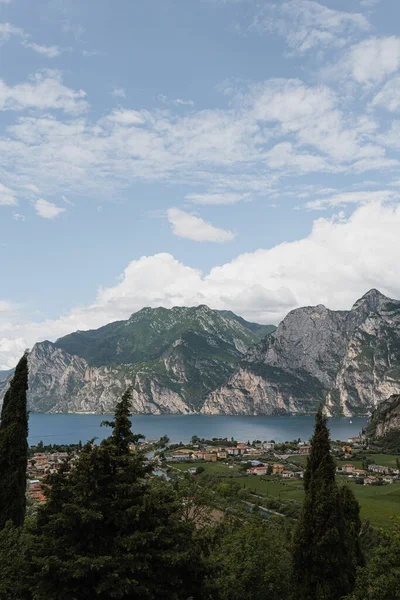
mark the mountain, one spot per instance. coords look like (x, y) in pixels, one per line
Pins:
(171, 357)
(5, 374)
(384, 427)
(348, 360)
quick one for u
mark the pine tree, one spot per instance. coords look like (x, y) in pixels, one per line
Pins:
(107, 531)
(14, 448)
(326, 550)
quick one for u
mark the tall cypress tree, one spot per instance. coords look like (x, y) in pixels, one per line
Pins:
(325, 542)
(14, 448)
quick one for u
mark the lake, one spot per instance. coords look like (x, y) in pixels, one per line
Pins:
(69, 429)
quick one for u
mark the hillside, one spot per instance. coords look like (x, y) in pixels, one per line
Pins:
(384, 428)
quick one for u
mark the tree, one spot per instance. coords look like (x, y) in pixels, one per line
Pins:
(13, 563)
(325, 550)
(380, 579)
(14, 448)
(250, 562)
(109, 532)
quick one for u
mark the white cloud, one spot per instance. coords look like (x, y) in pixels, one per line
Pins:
(370, 61)
(7, 30)
(7, 196)
(391, 137)
(124, 116)
(180, 102)
(186, 225)
(44, 91)
(118, 92)
(362, 197)
(307, 24)
(47, 210)
(32, 188)
(216, 198)
(19, 217)
(49, 51)
(269, 130)
(334, 265)
(389, 96)
(6, 307)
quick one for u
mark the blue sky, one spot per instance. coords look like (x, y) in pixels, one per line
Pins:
(239, 153)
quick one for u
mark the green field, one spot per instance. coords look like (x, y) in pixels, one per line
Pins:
(386, 460)
(378, 504)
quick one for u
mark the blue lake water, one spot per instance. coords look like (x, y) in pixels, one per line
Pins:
(69, 429)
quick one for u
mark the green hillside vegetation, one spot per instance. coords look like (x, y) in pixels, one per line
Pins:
(147, 334)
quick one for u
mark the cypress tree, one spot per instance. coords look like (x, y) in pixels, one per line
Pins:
(14, 448)
(325, 552)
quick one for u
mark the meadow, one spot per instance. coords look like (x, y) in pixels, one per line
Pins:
(378, 503)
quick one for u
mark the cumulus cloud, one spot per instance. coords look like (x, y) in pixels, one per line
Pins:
(44, 91)
(48, 210)
(186, 225)
(307, 24)
(334, 265)
(7, 196)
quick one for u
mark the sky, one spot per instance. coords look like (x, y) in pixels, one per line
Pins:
(242, 154)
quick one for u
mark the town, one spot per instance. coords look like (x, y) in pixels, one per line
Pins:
(282, 460)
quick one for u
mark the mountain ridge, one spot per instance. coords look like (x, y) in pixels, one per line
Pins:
(347, 360)
(171, 358)
(198, 360)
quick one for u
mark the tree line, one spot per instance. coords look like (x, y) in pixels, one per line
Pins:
(109, 529)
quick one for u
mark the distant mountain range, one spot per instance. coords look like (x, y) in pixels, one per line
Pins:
(190, 360)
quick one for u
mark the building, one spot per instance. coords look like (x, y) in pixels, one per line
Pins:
(268, 445)
(233, 451)
(379, 469)
(359, 472)
(211, 457)
(357, 439)
(370, 480)
(348, 468)
(222, 454)
(288, 474)
(278, 468)
(259, 470)
(304, 449)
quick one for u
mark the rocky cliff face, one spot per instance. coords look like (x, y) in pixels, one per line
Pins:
(348, 360)
(384, 428)
(171, 359)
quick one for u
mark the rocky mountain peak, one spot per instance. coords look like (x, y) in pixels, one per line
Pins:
(371, 301)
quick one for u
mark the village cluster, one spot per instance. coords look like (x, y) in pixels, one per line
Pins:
(262, 458)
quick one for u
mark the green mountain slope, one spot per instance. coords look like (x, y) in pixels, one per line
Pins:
(150, 332)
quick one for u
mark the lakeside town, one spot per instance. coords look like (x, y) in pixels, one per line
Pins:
(285, 460)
